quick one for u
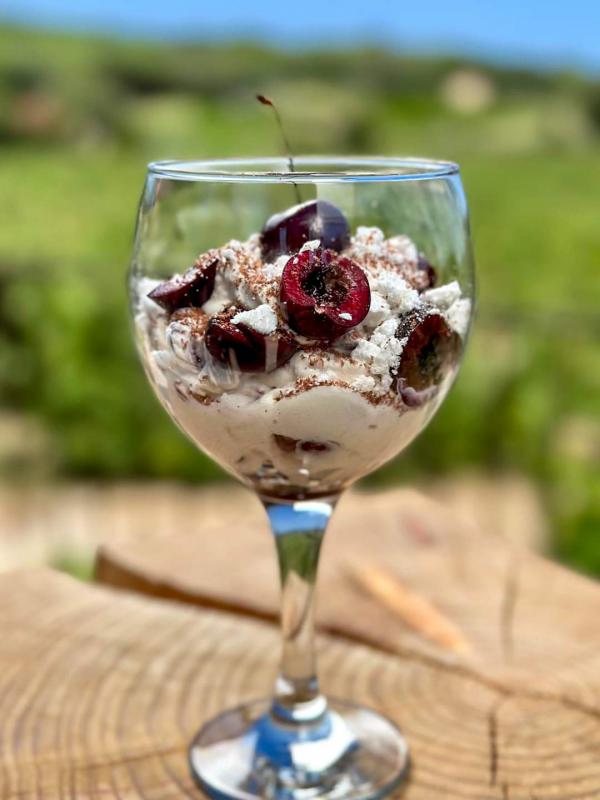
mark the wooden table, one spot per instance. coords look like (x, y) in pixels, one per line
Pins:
(488, 657)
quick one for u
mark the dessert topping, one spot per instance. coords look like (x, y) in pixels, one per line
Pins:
(323, 295)
(443, 296)
(262, 319)
(431, 349)
(242, 347)
(316, 219)
(193, 288)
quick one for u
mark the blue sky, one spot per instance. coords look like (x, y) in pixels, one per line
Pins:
(549, 33)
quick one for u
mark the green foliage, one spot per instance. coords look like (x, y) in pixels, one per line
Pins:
(298, 553)
(84, 116)
(80, 567)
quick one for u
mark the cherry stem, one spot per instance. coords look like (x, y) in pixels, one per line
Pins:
(286, 144)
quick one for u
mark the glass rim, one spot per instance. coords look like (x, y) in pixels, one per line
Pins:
(343, 169)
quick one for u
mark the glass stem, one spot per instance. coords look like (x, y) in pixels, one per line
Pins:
(298, 528)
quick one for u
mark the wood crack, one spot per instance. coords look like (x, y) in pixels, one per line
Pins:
(494, 684)
(493, 743)
(494, 747)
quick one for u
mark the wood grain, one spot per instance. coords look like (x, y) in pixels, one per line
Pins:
(101, 690)
(503, 601)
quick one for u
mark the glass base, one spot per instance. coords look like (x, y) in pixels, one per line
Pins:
(249, 752)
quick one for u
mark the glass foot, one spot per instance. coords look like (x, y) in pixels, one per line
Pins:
(248, 752)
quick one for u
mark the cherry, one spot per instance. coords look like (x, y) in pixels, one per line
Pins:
(316, 219)
(432, 349)
(193, 288)
(290, 445)
(266, 101)
(323, 294)
(426, 276)
(241, 347)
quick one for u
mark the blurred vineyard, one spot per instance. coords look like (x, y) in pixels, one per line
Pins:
(80, 117)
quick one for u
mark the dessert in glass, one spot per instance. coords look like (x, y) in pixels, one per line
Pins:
(301, 328)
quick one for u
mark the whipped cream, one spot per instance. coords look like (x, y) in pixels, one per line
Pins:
(443, 296)
(262, 319)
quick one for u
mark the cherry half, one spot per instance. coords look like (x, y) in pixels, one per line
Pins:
(323, 294)
(192, 289)
(241, 347)
(316, 219)
(432, 349)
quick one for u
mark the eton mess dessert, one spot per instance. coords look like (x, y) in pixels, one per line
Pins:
(304, 357)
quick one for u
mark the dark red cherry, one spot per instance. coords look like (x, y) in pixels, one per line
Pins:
(323, 294)
(426, 275)
(192, 289)
(241, 347)
(288, 444)
(317, 219)
(431, 351)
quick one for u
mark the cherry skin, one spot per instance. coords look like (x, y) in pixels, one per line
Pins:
(426, 276)
(316, 219)
(240, 347)
(287, 444)
(323, 295)
(192, 289)
(431, 351)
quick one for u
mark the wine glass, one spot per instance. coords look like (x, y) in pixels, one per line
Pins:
(301, 328)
